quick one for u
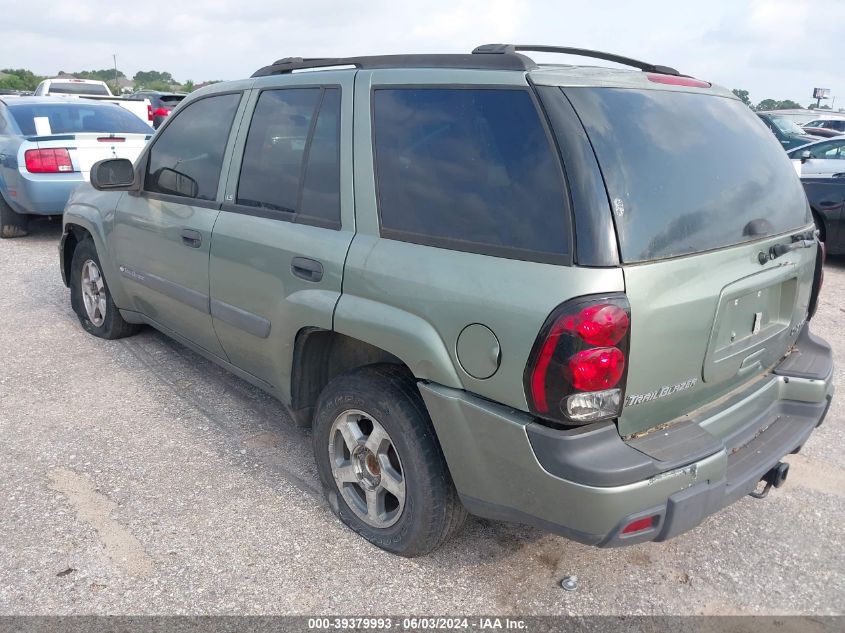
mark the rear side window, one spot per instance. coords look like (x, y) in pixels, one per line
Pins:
(688, 172)
(77, 118)
(187, 156)
(290, 162)
(73, 88)
(469, 169)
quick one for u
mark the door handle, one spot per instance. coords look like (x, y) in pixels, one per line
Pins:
(307, 269)
(191, 238)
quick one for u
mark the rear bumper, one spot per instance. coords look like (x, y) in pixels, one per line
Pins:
(45, 194)
(589, 484)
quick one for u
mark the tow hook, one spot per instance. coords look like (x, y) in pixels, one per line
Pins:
(775, 477)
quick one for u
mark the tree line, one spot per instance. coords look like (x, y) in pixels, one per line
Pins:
(774, 104)
(26, 80)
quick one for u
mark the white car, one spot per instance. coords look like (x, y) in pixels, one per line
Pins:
(93, 89)
(822, 159)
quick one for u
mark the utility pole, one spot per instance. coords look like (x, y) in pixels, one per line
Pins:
(114, 58)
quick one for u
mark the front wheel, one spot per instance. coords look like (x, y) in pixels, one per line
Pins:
(12, 224)
(90, 296)
(381, 466)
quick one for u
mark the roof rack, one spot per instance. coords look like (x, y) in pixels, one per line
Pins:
(510, 61)
(484, 57)
(510, 49)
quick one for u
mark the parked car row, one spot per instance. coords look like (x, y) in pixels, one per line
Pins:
(92, 89)
(47, 148)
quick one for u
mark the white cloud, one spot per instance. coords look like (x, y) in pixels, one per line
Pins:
(773, 48)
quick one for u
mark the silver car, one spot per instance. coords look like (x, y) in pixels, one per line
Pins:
(47, 148)
(822, 159)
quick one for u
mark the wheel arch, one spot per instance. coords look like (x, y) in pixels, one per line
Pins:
(318, 356)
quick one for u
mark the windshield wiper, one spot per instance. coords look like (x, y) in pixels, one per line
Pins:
(801, 240)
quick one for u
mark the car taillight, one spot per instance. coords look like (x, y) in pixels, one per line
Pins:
(48, 161)
(162, 112)
(577, 369)
(149, 112)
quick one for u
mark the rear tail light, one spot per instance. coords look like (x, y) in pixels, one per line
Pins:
(48, 161)
(577, 369)
(149, 112)
(161, 112)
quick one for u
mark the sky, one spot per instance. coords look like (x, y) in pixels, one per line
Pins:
(779, 49)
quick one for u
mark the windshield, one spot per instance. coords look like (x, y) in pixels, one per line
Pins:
(688, 172)
(74, 118)
(787, 126)
(73, 88)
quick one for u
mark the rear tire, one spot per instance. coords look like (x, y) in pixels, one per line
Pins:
(399, 495)
(90, 296)
(12, 224)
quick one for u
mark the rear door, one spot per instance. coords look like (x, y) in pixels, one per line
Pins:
(700, 193)
(162, 235)
(280, 242)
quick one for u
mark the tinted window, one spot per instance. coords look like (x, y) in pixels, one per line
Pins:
(73, 118)
(468, 169)
(831, 150)
(687, 172)
(321, 186)
(187, 157)
(71, 88)
(275, 149)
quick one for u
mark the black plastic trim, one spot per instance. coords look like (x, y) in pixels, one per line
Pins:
(193, 298)
(242, 319)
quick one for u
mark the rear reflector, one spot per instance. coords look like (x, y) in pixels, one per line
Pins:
(640, 524)
(674, 80)
(48, 161)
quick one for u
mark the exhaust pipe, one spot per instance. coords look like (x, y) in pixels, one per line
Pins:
(774, 478)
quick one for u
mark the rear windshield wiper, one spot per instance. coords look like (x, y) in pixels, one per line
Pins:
(801, 240)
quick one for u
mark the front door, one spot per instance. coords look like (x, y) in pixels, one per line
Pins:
(163, 233)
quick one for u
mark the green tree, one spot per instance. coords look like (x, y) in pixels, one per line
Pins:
(147, 77)
(188, 86)
(767, 104)
(788, 104)
(19, 79)
(743, 96)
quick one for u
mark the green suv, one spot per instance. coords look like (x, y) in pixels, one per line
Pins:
(568, 296)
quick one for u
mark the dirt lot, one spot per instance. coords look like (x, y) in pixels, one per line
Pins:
(136, 477)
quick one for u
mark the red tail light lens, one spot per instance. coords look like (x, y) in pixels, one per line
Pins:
(596, 369)
(603, 324)
(675, 80)
(162, 112)
(48, 161)
(149, 112)
(579, 360)
(640, 524)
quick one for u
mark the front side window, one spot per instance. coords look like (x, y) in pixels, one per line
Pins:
(828, 151)
(469, 169)
(187, 157)
(291, 162)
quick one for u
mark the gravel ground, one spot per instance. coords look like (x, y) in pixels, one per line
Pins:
(137, 478)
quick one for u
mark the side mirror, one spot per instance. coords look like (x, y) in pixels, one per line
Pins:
(805, 156)
(176, 183)
(113, 174)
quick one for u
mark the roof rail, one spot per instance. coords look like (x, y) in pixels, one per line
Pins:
(510, 49)
(510, 61)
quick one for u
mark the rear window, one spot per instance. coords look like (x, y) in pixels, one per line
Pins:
(688, 172)
(73, 88)
(77, 118)
(171, 100)
(469, 169)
